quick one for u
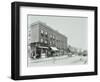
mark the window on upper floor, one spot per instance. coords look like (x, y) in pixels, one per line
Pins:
(53, 42)
(50, 36)
(50, 42)
(41, 40)
(45, 41)
(53, 37)
(29, 34)
(46, 34)
(42, 32)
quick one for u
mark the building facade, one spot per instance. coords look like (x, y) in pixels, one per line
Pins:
(46, 42)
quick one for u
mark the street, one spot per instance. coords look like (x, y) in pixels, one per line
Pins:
(54, 61)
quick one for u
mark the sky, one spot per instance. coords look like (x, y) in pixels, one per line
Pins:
(74, 28)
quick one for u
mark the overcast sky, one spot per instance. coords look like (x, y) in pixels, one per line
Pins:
(75, 28)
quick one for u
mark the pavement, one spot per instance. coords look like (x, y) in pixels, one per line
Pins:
(62, 60)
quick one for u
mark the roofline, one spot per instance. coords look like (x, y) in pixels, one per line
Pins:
(44, 24)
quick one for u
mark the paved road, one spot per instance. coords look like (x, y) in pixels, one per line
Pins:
(76, 60)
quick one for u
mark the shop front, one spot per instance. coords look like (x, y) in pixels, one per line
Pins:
(40, 51)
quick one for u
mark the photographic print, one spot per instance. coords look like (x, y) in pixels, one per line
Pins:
(57, 40)
(53, 40)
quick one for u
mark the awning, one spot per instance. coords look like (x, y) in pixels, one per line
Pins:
(43, 47)
(54, 48)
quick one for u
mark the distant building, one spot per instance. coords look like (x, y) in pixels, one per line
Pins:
(46, 42)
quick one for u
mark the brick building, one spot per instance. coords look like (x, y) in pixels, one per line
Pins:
(46, 42)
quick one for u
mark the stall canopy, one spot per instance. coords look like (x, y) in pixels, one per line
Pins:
(54, 48)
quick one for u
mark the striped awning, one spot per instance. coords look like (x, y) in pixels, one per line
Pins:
(54, 48)
(43, 47)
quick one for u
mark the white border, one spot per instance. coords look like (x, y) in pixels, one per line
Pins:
(24, 70)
